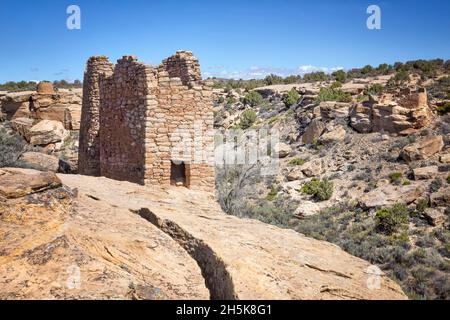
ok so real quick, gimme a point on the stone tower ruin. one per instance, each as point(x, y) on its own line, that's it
point(148, 125)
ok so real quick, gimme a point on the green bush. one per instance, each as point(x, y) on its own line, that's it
point(336, 85)
point(422, 204)
point(329, 94)
point(253, 99)
point(399, 78)
point(321, 190)
point(315, 76)
point(444, 109)
point(396, 177)
point(448, 179)
point(221, 99)
point(297, 162)
point(248, 118)
point(292, 98)
point(12, 146)
point(272, 194)
point(340, 76)
point(367, 69)
point(389, 220)
point(375, 89)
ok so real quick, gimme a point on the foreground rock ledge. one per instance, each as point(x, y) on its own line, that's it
point(238, 258)
point(77, 237)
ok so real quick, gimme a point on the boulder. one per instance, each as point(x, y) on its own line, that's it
point(307, 208)
point(40, 161)
point(330, 110)
point(435, 216)
point(18, 183)
point(445, 158)
point(422, 149)
point(313, 131)
point(388, 195)
point(441, 198)
point(361, 117)
point(295, 174)
point(46, 132)
point(282, 150)
point(425, 173)
point(22, 126)
point(312, 168)
point(334, 135)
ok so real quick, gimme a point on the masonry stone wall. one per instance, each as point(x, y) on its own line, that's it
point(154, 122)
point(89, 146)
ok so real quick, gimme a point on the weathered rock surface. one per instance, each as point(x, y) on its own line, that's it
point(441, 198)
point(264, 262)
point(334, 135)
point(63, 106)
point(54, 247)
point(445, 158)
point(425, 173)
point(313, 131)
point(47, 132)
point(23, 126)
point(422, 149)
point(282, 150)
point(41, 161)
point(393, 113)
point(435, 216)
point(330, 110)
point(388, 195)
point(16, 183)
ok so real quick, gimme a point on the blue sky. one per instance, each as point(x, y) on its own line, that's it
point(233, 38)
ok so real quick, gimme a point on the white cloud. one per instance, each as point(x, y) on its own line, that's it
point(255, 72)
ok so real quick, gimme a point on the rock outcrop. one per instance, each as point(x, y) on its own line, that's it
point(63, 106)
point(80, 241)
point(399, 113)
point(46, 132)
point(423, 149)
point(54, 247)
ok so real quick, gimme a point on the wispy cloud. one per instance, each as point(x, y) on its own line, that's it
point(256, 72)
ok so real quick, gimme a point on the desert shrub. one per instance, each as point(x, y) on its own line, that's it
point(336, 85)
point(340, 76)
point(221, 100)
point(375, 89)
point(321, 190)
point(389, 220)
point(272, 194)
point(399, 78)
point(297, 162)
point(247, 119)
point(329, 94)
point(12, 146)
point(435, 185)
point(421, 274)
point(253, 99)
point(367, 69)
point(422, 204)
point(315, 76)
point(443, 109)
point(292, 98)
point(396, 177)
point(448, 179)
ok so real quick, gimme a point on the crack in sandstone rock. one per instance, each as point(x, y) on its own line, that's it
point(217, 278)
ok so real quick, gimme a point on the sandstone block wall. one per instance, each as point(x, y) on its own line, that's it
point(148, 125)
point(89, 146)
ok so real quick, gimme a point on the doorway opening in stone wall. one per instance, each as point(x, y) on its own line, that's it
point(179, 173)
